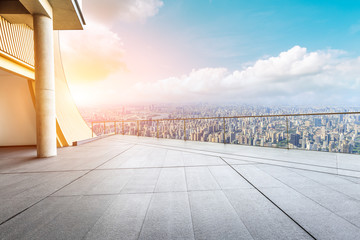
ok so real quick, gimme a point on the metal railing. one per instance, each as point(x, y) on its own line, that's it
point(333, 132)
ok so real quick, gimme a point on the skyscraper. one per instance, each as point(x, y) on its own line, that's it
point(317, 122)
point(294, 139)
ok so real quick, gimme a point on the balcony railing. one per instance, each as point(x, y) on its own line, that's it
point(329, 132)
point(17, 42)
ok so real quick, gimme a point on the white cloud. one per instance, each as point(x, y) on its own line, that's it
point(94, 58)
point(92, 54)
point(97, 52)
point(126, 10)
point(294, 76)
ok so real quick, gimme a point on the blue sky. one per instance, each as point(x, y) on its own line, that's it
point(204, 46)
point(231, 32)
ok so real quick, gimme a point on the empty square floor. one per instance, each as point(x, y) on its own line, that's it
point(136, 188)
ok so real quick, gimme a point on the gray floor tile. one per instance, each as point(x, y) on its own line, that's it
point(258, 177)
point(214, 217)
point(227, 178)
point(34, 219)
point(123, 219)
point(171, 180)
point(174, 159)
point(289, 177)
point(84, 184)
point(238, 161)
point(76, 220)
point(39, 184)
point(12, 206)
point(262, 218)
point(352, 190)
point(36, 187)
point(155, 158)
point(352, 179)
point(113, 183)
point(142, 181)
point(60, 218)
point(168, 217)
point(320, 222)
point(191, 159)
point(322, 178)
point(200, 178)
point(137, 160)
point(338, 203)
point(116, 162)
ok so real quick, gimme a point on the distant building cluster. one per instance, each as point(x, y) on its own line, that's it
point(329, 133)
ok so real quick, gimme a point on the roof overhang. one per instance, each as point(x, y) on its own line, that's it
point(66, 14)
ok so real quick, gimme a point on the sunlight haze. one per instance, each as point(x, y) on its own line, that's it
point(214, 51)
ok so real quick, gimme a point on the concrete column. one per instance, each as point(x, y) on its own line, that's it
point(44, 86)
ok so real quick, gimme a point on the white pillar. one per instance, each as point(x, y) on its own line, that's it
point(44, 86)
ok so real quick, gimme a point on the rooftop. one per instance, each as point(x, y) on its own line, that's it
point(124, 187)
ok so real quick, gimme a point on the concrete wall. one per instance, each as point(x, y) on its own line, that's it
point(17, 112)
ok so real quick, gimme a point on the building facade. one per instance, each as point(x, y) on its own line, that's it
point(36, 107)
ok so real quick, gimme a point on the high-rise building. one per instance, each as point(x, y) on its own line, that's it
point(232, 137)
point(294, 139)
point(317, 122)
point(303, 143)
point(345, 147)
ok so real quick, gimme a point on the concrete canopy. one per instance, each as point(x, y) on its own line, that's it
point(66, 14)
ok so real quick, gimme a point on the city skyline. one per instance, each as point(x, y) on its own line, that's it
point(327, 133)
point(215, 51)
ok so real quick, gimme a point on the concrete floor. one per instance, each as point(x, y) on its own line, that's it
point(123, 187)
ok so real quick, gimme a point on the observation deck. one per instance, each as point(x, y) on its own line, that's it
point(129, 187)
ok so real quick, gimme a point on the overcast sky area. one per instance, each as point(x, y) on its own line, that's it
point(182, 51)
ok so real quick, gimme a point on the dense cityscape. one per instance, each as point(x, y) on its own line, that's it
point(330, 133)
